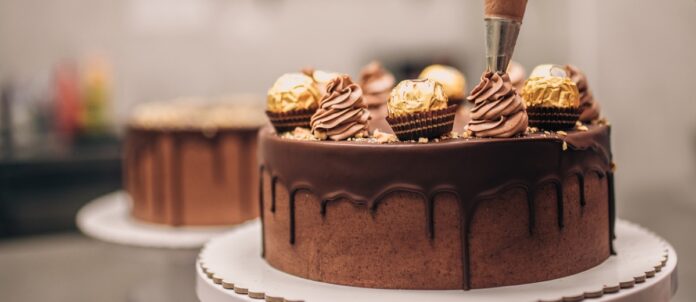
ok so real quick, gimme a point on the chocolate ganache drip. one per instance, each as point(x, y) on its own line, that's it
point(342, 112)
point(498, 110)
point(588, 106)
point(376, 83)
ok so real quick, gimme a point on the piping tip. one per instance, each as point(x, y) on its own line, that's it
point(501, 37)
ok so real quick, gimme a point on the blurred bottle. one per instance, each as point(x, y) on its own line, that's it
point(67, 101)
point(6, 118)
point(96, 97)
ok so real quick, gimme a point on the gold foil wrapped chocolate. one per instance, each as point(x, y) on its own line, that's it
point(452, 80)
point(549, 86)
point(413, 96)
point(321, 78)
point(292, 92)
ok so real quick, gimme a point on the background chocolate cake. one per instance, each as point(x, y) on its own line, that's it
point(192, 164)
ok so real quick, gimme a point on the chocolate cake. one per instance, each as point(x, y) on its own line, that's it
point(192, 165)
point(494, 204)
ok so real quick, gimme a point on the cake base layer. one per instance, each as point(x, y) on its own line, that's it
point(644, 270)
point(192, 177)
point(462, 213)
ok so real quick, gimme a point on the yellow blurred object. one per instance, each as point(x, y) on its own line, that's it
point(413, 96)
point(96, 94)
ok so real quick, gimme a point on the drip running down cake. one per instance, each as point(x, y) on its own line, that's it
point(188, 164)
point(428, 205)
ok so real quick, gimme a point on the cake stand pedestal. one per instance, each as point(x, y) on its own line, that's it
point(230, 268)
point(108, 218)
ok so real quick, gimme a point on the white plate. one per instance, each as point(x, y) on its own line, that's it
point(230, 268)
point(108, 218)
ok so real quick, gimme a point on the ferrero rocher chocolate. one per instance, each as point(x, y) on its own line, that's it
point(452, 80)
point(549, 86)
point(291, 92)
point(418, 109)
point(552, 98)
point(413, 96)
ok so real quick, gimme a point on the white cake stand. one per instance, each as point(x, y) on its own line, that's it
point(230, 268)
point(108, 218)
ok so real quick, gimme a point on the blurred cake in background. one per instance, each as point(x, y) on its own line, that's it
point(193, 164)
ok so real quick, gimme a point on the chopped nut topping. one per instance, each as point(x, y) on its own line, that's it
point(383, 137)
point(299, 134)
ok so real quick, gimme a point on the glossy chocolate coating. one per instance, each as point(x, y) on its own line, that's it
point(557, 196)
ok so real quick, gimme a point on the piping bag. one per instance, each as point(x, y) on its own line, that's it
point(503, 22)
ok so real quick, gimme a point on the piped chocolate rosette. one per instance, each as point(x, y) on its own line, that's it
point(419, 108)
point(292, 101)
point(589, 108)
point(452, 80)
point(552, 98)
point(342, 113)
point(498, 110)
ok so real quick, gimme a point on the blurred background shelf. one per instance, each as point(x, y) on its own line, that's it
point(43, 186)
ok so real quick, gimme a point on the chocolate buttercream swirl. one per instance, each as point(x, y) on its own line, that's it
point(498, 110)
point(376, 83)
point(588, 106)
point(342, 113)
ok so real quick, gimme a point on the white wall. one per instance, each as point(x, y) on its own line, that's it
point(638, 54)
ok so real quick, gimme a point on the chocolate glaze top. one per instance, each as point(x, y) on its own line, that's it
point(365, 171)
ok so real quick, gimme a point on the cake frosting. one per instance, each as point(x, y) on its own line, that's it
point(589, 108)
point(342, 112)
point(498, 110)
